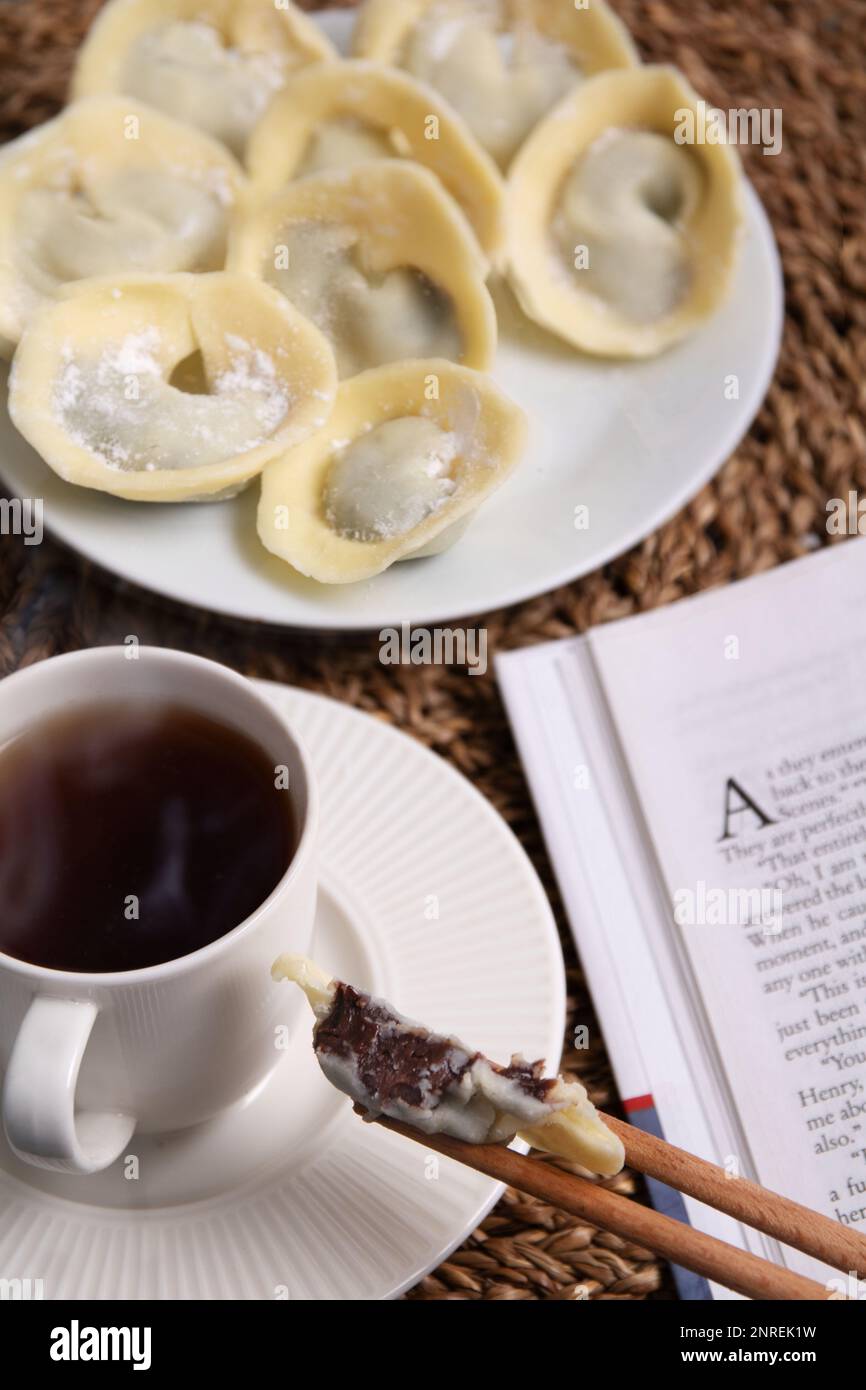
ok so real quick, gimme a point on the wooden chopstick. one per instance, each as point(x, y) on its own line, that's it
point(675, 1240)
point(789, 1222)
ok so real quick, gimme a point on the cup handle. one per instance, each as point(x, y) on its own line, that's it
point(39, 1093)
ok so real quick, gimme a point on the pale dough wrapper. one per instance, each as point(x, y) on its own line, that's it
point(108, 187)
point(168, 388)
point(212, 63)
point(380, 258)
point(337, 114)
point(391, 1066)
point(416, 447)
point(621, 240)
point(501, 63)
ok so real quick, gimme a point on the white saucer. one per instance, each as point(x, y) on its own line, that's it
point(631, 442)
point(289, 1195)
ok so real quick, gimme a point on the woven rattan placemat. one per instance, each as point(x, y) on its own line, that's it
point(766, 506)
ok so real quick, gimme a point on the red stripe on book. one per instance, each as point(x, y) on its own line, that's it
point(638, 1103)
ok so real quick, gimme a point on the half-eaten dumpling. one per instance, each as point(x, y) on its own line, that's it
point(410, 451)
point(338, 114)
point(380, 258)
point(390, 1065)
point(621, 238)
point(212, 63)
point(169, 388)
point(109, 186)
point(501, 63)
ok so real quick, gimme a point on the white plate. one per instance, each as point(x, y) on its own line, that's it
point(289, 1194)
point(632, 443)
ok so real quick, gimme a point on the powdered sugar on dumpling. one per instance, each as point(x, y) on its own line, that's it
point(388, 481)
point(501, 76)
point(212, 64)
point(120, 406)
point(144, 220)
point(109, 187)
point(370, 317)
point(407, 457)
point(186, 70)
point(169, 388)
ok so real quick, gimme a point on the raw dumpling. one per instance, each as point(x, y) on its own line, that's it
point(108, 187)
point(168, 388)
point(212, 63)
point(380, 258)
point(622, 239)
point(501, 63)
point(338, 114)
point(410, 451)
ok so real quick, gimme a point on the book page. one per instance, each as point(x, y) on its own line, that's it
point(742, 718)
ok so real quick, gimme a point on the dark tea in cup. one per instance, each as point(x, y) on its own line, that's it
point(133, 833)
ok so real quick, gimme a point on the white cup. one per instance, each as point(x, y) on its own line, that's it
point(89, 1058)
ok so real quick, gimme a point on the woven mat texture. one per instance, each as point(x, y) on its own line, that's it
point(766, 506)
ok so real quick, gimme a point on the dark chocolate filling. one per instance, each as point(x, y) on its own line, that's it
point(406, 1063)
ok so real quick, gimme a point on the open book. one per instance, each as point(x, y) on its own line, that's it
point(700, 775)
